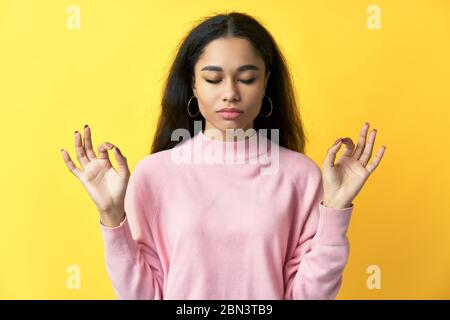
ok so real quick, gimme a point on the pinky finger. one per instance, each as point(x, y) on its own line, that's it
point(374, 164)
point(69, 163)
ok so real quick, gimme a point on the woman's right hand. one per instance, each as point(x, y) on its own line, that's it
point(104, 184)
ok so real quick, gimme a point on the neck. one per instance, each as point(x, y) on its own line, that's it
point(229, 151)
point(229, 135)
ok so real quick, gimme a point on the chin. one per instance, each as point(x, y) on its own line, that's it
point(229, 124)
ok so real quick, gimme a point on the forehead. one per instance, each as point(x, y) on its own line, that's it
point(229, 53)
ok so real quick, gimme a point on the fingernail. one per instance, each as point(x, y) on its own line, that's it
point(367, 123)
point(62, 150)
point(76, 131)
point(109, 145)
point(85, 126)
point(337, 141)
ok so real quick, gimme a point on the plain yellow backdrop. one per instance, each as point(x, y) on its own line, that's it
point(109, 74)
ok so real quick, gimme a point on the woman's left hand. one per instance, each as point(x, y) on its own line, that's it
point(343, 180)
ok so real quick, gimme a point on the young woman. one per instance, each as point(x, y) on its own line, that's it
point(186, 227)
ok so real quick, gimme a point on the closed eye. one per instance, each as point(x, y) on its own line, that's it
point(243, 81)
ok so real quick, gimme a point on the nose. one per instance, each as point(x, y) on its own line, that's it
point(231, 93)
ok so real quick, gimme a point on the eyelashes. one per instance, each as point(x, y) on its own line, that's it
point(243, 81)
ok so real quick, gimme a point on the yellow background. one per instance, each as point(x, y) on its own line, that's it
point(109, 74)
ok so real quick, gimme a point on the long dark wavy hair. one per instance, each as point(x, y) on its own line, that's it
point(178, 86)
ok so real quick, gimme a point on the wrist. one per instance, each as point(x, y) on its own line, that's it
point(112, 218)
point(336, 204)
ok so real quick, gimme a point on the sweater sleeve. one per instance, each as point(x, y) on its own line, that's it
point(131, 258)
point(314, 270)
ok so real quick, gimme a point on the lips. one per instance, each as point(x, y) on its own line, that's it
point(230, 110)
point(229, 113)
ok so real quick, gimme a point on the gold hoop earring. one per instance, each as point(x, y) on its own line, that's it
point(192, 116)
point(271, 108)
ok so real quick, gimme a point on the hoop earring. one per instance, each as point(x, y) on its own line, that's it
point(271, 108)
point(192, 116)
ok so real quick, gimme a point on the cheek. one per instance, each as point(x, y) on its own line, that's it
point(206, 101)
point(207, 98)
point(254, 100)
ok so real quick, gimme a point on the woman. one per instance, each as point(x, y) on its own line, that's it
point(185, 227)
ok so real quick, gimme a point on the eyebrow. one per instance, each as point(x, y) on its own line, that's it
point(245, 67)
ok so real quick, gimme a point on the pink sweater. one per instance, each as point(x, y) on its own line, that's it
point(227, 230)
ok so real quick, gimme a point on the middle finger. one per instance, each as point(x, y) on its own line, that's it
point(361, 141)
point(88, 143)
point(368, 149)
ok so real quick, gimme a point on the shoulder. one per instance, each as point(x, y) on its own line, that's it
point(151, 160)
point(151, 166)
point(301, 168)
point(299, 162)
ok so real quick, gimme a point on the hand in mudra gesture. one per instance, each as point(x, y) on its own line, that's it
point(105, 185)
point(343, 180)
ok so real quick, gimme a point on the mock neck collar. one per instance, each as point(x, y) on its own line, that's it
point(247, 150)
